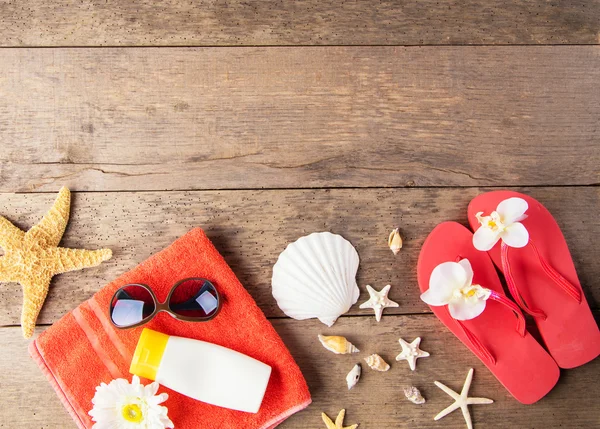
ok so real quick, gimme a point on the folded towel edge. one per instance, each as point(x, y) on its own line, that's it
point(41, 363)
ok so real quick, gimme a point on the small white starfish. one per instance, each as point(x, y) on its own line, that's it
point(378, 301)
point(461, 401)
point(411, 352)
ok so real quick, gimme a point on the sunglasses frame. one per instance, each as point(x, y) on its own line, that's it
point(164, 306)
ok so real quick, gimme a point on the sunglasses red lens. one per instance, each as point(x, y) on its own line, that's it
point(195, 298)
point(131, 305)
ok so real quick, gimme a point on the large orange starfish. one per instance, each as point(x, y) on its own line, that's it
point(32, 258)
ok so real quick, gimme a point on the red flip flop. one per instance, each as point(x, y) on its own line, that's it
point(534, 257)
point(460, 282)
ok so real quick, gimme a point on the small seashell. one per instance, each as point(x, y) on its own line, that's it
point(353, 376)
point(377, 363)
point(395, 241)
point(413, 395)
point(338, 345)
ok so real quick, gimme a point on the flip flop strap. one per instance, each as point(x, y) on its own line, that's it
point(565, 285)
point(556, 277)
point(481, 350)
point(502, 299)
point(512, 286)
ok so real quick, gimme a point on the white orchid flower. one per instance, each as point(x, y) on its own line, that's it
point(504, 223)
point(451, 284)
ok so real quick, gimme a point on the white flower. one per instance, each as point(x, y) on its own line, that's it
point(451, 284)
point(504, 223)
point(120, 405)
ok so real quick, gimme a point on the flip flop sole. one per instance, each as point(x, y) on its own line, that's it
point(570, 331)
point(526, 370)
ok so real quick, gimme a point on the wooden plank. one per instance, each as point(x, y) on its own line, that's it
point(376, 402)
point(223, 118)
point(251, 228)
point(307, 22)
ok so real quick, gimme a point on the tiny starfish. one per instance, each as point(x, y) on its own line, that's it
point(411, 352)
point(461, 400)
point(32, 258)
point(339, 421)
point(378, 301)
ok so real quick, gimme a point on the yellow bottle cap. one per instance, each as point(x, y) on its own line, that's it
point(148, 354)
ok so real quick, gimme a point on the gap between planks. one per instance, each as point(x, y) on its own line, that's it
point(316, 188)
point(458, 45)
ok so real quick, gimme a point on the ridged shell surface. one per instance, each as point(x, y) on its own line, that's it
point(315, 276)
point(338, 345)
point(377, 363)
point(413, 395)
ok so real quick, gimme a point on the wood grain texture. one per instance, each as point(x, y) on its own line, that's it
point(231, 118)
point(306, 22)
point(28, 400)
point(251, 229)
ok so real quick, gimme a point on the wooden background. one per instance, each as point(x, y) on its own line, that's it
point(265, 121)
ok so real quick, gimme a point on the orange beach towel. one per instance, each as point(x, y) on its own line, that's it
point(83, 349)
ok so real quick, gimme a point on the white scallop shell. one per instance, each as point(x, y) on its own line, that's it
point(315, 276)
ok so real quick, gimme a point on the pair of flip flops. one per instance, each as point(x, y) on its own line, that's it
point(458, 280)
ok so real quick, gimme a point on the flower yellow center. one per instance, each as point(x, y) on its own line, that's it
point(493, 222)
point(471, 293)
point(132, 413)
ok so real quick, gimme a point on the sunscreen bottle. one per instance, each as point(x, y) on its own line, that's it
point(203, 371)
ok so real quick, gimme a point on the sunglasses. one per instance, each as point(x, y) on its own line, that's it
point(191, 300)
